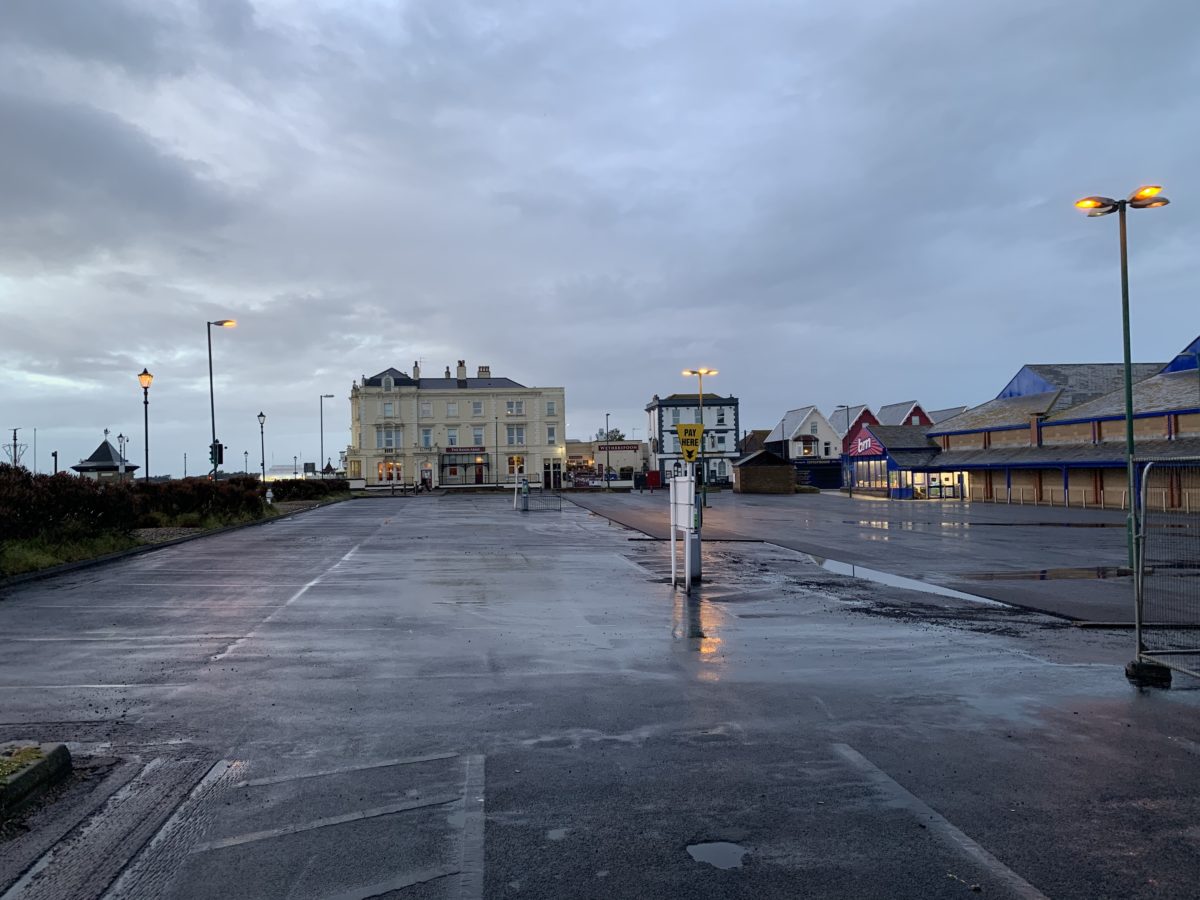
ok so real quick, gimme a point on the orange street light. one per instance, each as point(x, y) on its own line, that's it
point(226, 323)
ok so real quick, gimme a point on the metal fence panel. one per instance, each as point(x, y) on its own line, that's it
point(542, 500)
point(1167, 581)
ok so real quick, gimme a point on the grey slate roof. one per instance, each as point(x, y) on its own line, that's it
point(400, 378)
point(841, 421)
point(761, 458)
point(1162, 393)
point(902, 437)
point(468, 384)
point(105, 458)
point(788, 424)
point(998, 413)
point(895, 413)
point(940, 415)
point(1081, 382)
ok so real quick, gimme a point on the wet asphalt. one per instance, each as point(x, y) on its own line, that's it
point(441, 697)
point(1065, 561)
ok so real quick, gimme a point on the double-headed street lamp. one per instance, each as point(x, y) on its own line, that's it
point(320, 460)
point(212, 408)
point(1146, 197)
point(262, 444)
point(145, 379)
point(700, 373)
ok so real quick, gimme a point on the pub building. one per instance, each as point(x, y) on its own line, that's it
point(464, 466)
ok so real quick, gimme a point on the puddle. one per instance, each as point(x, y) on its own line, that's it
point(556, 834)
point(721, 854)
point(1102, 572)
point(911, 584)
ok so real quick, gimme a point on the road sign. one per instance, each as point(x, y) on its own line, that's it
point(689, 440)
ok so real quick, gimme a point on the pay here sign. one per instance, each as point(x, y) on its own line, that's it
point(689, 440)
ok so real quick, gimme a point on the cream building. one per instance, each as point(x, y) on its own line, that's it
point(455, 431)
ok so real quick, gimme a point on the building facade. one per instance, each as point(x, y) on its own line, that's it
point(455, 431)
point(588, 460)
point(721, 431)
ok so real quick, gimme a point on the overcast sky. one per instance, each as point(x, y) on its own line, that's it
point(829, 202)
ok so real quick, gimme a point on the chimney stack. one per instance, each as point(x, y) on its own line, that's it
point(447, 371)
point(462, 370)
point(485, 372)
point(416, 370)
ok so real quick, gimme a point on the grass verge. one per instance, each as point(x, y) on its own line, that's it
point(19, 557)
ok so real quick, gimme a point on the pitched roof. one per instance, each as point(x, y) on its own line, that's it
point(761, 458)
point(902, 437)
point(1105, 453)
point(788, 424)
point(895, 413)
point(469, 384)
point(685, 400)
point(998, 413)
point(104, 458)
point(845, 418)
point(1077, 382)
point(400, 378)
point(1172, 391)
point(754, 440)
point(940, 415)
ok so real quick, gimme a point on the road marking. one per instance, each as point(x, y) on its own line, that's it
point(824, 706)
point(147, 637)
point(470, 880)
point(421, 876)
point(285, 830)
point(97, 687)
point(279, 779)
point(292, 599)
point(938, 824)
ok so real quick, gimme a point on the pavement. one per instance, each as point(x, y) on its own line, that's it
point(440, 697)
point(1063, 561)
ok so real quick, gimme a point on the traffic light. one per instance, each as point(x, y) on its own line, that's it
point(216, 453)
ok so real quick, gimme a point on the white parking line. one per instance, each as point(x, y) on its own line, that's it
point(938, 824)
point(280, 779)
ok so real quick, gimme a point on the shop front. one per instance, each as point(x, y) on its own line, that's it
point(900, 462)
point(461, 466)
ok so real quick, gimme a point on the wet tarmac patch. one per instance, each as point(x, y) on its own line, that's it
point(911, 584)
point(719, 854)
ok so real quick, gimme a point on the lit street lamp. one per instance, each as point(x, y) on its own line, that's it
point(212, 408)
point(1146, 197)
point(144, 379)
point(607, 454)
point(700, 373)
point(321, 458)
point(262, 444)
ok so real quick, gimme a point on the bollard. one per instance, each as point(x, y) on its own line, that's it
point(270, 496)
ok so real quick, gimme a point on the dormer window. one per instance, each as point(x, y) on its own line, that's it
point(388, 382)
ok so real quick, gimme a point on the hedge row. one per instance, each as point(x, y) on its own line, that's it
point(64, 507)
point(314, 489)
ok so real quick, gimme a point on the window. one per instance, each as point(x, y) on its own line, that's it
point(451, 409)
point(812, 429)
point(388, 382)
point(916, 420)
point(477, 407)
point(516, 465)
point(675, 416)
point(551, 409)
point(720, 440)
point(514, 407)
point(721, 416)
point(828, 449)
point(551, 434)
point(389, 409)
point(388, 438)
point(516, 435)
point(426, 437)
point(477, 436)
point(451, 437)
point(426, 409)
point(721, 469)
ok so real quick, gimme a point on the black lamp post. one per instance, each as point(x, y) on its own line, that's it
point(144, 379)
point(320, 459)
point(262, 445)
point(212, 408)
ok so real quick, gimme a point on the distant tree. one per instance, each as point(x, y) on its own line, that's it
point(614, 434)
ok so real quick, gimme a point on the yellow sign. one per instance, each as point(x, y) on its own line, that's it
point(689, 440)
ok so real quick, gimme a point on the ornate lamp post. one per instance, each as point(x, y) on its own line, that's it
point(145, 379)
point(262, 445)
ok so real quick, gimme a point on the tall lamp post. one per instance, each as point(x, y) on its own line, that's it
point(700, 373)
point(1146, 197)
point(145, 379)
point(212, 407)
point(321, 459)
point(262, 445)
point(847, 470)
point(607, 454)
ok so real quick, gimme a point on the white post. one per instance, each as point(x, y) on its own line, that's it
point(674, 567)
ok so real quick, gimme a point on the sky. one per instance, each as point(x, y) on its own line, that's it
point(828, 202)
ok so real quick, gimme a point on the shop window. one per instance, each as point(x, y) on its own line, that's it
point(477, 407)
point(516, 465)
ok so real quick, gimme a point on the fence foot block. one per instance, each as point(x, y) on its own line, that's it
point(1148, 674)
